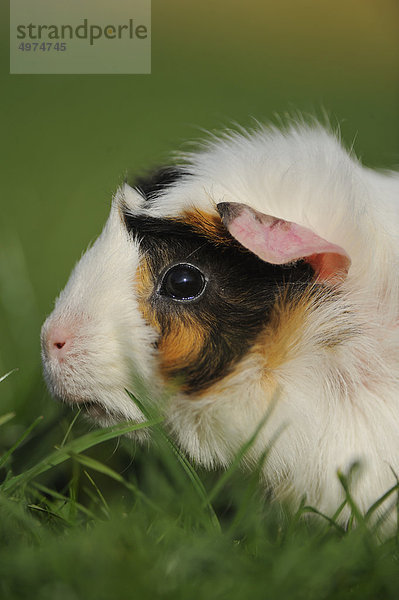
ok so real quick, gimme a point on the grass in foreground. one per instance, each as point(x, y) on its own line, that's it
point(91, 520)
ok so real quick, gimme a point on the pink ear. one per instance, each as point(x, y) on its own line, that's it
point(280, 242)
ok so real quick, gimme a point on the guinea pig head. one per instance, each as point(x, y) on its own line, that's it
point(209, 301)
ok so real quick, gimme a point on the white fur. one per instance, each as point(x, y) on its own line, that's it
point(335, 405)
point(111, 337)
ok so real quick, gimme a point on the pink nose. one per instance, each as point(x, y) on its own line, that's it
point(59, 340)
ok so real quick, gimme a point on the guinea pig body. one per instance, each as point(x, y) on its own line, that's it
point(263, 270)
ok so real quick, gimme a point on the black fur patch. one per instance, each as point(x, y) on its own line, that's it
point(241, 290)
point(156, 181)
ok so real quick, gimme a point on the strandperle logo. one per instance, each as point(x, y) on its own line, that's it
point(80, 36)
point(84, 31)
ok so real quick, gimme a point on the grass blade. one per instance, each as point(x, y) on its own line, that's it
point(6, 455)
point(381, 500)
point(68, 431)
point(330, 520)
point(92, 463)
point(76, 446)
point(243, 451)
point(184, 462)
point(345, 482)
point(7, 417)
point(100, 495)
point(58, 496)
point(3, 377)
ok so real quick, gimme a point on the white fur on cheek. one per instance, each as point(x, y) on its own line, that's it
point(110, 338)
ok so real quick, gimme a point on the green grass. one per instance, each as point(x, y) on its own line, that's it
point(99, 517)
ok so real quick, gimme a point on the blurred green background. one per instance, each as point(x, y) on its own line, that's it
point(67, 141)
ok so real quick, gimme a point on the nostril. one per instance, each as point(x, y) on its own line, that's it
point(57, 340)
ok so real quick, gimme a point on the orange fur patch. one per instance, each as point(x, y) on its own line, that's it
point(209, 226)
point(144, 286)
point(182, 346)
point(280, 340)
point(282, 337)
point(183, 342)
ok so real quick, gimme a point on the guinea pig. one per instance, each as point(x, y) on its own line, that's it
point(260, 271)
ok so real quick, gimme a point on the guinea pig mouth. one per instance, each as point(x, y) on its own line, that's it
point(97, 411)
point(93, 408)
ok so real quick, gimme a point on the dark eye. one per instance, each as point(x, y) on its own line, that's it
point(183, 282)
